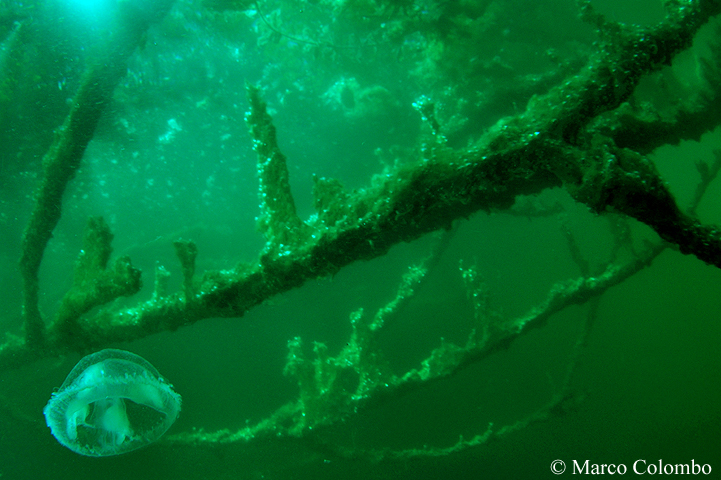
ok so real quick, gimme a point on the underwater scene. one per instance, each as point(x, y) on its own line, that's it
point(359, 239)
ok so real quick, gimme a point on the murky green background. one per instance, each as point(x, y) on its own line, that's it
point(172, 158)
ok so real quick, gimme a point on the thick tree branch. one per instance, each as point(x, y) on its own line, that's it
point(63, 158)
point(549, 145)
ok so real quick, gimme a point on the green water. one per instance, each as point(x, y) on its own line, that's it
point(172, 158)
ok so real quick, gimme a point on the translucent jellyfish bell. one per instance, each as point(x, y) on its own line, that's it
point(112, 402)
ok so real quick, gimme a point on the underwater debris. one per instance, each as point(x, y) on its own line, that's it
point(553, 143)
point(93, 283)
point(521, 155)
point(278, 220)
point(187, 251)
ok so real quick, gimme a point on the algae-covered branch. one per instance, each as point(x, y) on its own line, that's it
point(238, 151)
point(562, 138)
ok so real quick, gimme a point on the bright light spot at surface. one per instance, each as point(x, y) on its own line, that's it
point(96, 11)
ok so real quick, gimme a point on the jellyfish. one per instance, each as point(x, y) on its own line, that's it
point(112, 402)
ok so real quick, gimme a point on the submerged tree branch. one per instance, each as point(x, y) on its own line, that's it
point(63, 158)
point(549, 145)
point(357, 378)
